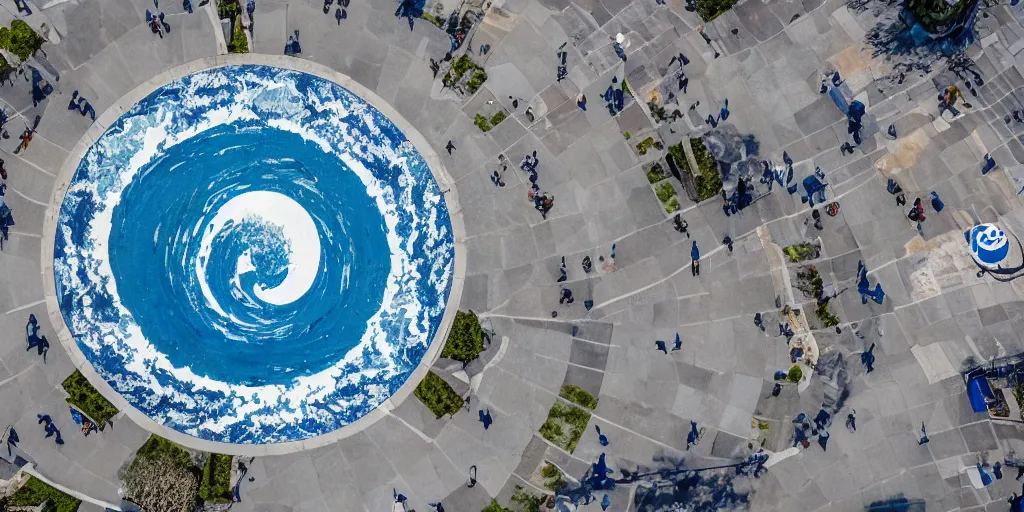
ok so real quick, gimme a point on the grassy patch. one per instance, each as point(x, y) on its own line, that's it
point(20, 39)
point(809, 282)
point(85, 398)
point(498, 117)
point(672, 205)
point(466, 339)
point(432, 19)
point(625, 87)
point(664, 191)
point(708, 182)
point(158, 448)
point(656, 173)
point(228, 9)
point(464, 67)
point(711, 9)
point(552, 477)
point(645, 145)
point(802, 251)
point(215, 486)
point(795, 374)
point(627, 135)
point(565, 423)
point(525, 501)
point(667, 195)
point(483, 123)
point(438, 396)
point(827, 317)
point(35, 492)
point(578, 396)
point(239, 44)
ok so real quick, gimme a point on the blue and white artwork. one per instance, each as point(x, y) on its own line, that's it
point(253, 255)
point(988, 244)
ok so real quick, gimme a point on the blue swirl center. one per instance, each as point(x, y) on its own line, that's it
point(247, 235)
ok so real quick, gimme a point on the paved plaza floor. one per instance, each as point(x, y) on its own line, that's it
point(937, 318)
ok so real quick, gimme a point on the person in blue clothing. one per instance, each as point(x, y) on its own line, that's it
point(695, 259)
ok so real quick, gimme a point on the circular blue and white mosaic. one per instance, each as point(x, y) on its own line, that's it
point(253, 255)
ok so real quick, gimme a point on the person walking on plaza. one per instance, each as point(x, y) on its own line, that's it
point(694, 259)
point(924, 436)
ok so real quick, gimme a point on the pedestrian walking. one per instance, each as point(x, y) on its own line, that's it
point(450, 147)
point(485, 418)
point(681, 225)
point(678, 344)
point(891, 132)
point(581, 101)
point(776, 390)
point(867, 358)
point(916, 213)
point(851, 421)
point(990, 164)
point(694, 259)
point(937, 203)
point(601, 438)
point(846, 147)
point(588, 264)
point(561, 269)
point(924, 436)
point(693, 437)
point(759, 321)
point(566, 296)
point(727, 241)
point(661, 346)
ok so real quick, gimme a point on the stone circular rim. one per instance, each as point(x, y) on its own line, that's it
point(108, 117)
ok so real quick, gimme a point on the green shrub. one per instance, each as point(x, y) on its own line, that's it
point(20, 39)
point(494, 507)
point(482, 123)
point(157, 448)
point(498, 117)
point(680, 157)
point(431, 18)
point(627, 135)
point(479, 77)
point(656, 173)
point(216, 484)
point(664, 191)
point(578, 396)
point(463, 64)
point(802, 251)
point(227, 9)
point(465, 340)
point(438, 396)
point(827, 317)
point(672, 205)
point(709, 181)
point(526, 501)
point(85, 398)
point(239, 44)
point(795, 374)
point(552, 477)
point(646, 144)
point(810, 283)
point(711, 9)
point(563, 417)
point(35, 492)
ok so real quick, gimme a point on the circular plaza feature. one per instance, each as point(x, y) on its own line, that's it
point(252, 254)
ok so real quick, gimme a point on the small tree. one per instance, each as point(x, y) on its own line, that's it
point(795, 374)
point(466, 339)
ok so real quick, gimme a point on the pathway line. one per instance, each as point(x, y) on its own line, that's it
point(26, 306)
